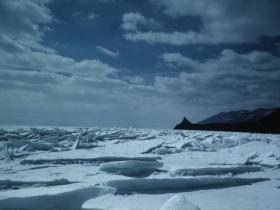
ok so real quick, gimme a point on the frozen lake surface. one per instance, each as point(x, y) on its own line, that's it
point(137, 169)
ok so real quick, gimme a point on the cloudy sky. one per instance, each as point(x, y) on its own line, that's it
point(136, 63)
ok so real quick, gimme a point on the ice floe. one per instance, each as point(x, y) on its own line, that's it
point(215, 170)
point(171, 185)
point(133, 168)
point(94, 161)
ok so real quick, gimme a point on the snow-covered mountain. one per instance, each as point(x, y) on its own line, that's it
point(238, 116)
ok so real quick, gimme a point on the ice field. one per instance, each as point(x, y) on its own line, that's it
point(137, 169)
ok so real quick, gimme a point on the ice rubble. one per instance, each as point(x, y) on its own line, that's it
point(109, 155)
point(132, 168)
point(33, 146)
point(78, 144)
point(151, 149)
point(4, 152)
point(162, 149)
point(179, 202)
point(254, 152)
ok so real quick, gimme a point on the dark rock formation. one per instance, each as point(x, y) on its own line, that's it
point(269, 123)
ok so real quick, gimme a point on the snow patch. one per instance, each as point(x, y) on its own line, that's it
point(63, 201)
point(179, 202)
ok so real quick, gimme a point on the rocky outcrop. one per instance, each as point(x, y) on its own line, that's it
point(267, 124)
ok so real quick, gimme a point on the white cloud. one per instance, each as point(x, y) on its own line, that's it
point(177, 59)
point(92, 16)
point(173, 38)
point(131, 21)
point(135, 79)
point(114, 54)
point(223, 22)
point(41, 87)
point(230, 81)
point(22, 19)
point(25, 30)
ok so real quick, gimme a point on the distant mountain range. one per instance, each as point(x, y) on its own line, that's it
point(258, 121)
point(238, 116)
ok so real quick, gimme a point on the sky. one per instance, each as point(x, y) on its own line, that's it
point(136, 63)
